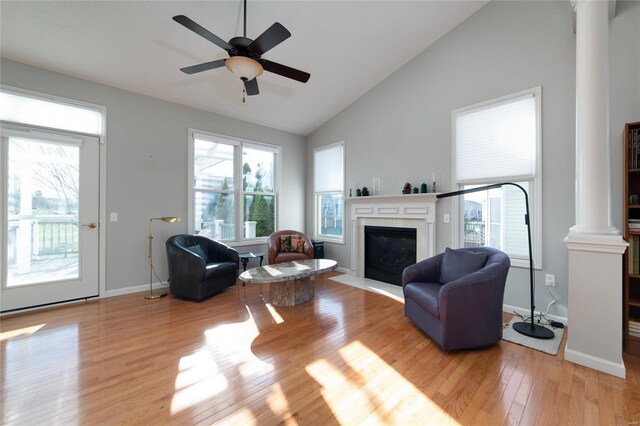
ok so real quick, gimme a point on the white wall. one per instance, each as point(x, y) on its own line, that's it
point(401, 129)
point(147, 165)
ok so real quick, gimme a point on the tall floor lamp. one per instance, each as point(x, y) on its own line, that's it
point(157, 295)
point(528, 329)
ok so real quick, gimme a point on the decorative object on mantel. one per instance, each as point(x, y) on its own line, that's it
point(423, 188)
point(376, 186)
point(358, 192)
point(407, 188)
point(416, 190)
point(350, 192)
point(365, 191)
point(433, 182)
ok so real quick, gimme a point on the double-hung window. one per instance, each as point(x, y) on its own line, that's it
point(233, 194)
point(494, 142)
point(328, 184)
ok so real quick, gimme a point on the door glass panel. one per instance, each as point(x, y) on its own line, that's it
point(42, 212)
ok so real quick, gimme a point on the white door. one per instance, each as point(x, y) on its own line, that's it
point(49, 216)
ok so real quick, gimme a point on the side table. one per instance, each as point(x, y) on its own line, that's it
point(244, 258)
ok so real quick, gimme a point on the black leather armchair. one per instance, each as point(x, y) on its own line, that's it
point(465, 312)
point(200, 267)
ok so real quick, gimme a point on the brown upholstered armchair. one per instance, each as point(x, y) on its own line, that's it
point(277, 253)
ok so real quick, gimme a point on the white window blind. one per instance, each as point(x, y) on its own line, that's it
point(49, 113)
point(328, 168)
point(496, 141)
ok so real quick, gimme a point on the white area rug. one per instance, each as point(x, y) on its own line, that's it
point(549, 346)
point(389, 290)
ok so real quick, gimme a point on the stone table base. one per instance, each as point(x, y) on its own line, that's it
point(291, 293)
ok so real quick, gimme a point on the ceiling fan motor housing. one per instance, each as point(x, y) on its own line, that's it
point(241, 48)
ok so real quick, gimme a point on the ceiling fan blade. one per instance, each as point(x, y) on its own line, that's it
point(203, 67)
point(201, 31)
point(273, 36)
point(285, 71)
point(251, 86)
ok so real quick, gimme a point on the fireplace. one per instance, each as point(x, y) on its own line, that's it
point(387, 251)
point(414, 211)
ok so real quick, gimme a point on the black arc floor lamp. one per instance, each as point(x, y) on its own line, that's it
point(528, 329)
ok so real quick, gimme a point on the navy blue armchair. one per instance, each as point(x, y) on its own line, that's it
point(456, 297)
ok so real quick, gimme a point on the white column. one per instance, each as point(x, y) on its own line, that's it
point(595, 246)
point(593, 175)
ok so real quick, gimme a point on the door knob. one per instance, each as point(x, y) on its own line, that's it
point(89, 225)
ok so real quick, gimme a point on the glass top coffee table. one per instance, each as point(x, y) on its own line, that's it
point(291, 283)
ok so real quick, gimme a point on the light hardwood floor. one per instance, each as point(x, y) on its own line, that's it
point(347, 357)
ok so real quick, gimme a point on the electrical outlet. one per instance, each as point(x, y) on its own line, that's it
point(114, 217)
point(550, 280)
point(446, 218)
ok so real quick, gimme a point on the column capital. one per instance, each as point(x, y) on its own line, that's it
point(612, 6)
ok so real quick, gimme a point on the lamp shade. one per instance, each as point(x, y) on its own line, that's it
point(243, 67)
point(168, 219)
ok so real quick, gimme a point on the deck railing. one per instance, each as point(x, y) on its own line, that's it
point(51, 236)
point(473, 233)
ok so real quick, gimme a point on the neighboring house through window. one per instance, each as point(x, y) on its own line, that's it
point(500, 141)
point(233, 194)
point(328, 184)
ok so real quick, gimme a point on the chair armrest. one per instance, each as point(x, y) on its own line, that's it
point(427, 271)
point(474, 294)
point(272, 247)
point(185, 264)
point(308, 247)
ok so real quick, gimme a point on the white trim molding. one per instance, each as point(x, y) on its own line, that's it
point(416, 211)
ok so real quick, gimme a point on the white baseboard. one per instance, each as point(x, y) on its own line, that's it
point(133, 289)
point(527, 311)
point(614, 368)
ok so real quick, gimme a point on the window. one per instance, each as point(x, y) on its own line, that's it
point(233, 182)
point(55, 113)
point(328, 183)
point(499, 141)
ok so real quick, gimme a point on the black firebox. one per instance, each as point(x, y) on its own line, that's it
point(387, 251)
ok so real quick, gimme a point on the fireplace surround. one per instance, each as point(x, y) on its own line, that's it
point(415, 211)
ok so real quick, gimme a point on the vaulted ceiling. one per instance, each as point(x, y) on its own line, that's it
point(347, 46)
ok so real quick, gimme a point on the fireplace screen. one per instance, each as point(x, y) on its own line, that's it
point(387, 251)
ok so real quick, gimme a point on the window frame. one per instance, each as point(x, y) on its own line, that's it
point(535, 182)
point(317, 194)
point(237, 190)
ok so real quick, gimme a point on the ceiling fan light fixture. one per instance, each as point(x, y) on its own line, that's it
point(243, 67)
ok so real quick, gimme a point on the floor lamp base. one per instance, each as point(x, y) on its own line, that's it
point(152, 295)
point(533, 330)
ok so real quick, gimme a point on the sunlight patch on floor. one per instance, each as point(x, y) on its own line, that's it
point(243, 417)
point(199, 377)
point(389, 290)
point(279, 405)
point(373, 392)
point(25, 331)
point(274, 314)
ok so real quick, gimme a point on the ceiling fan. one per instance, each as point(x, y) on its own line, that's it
point(245, 55)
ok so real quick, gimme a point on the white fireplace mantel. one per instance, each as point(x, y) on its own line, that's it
point(416, 211)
